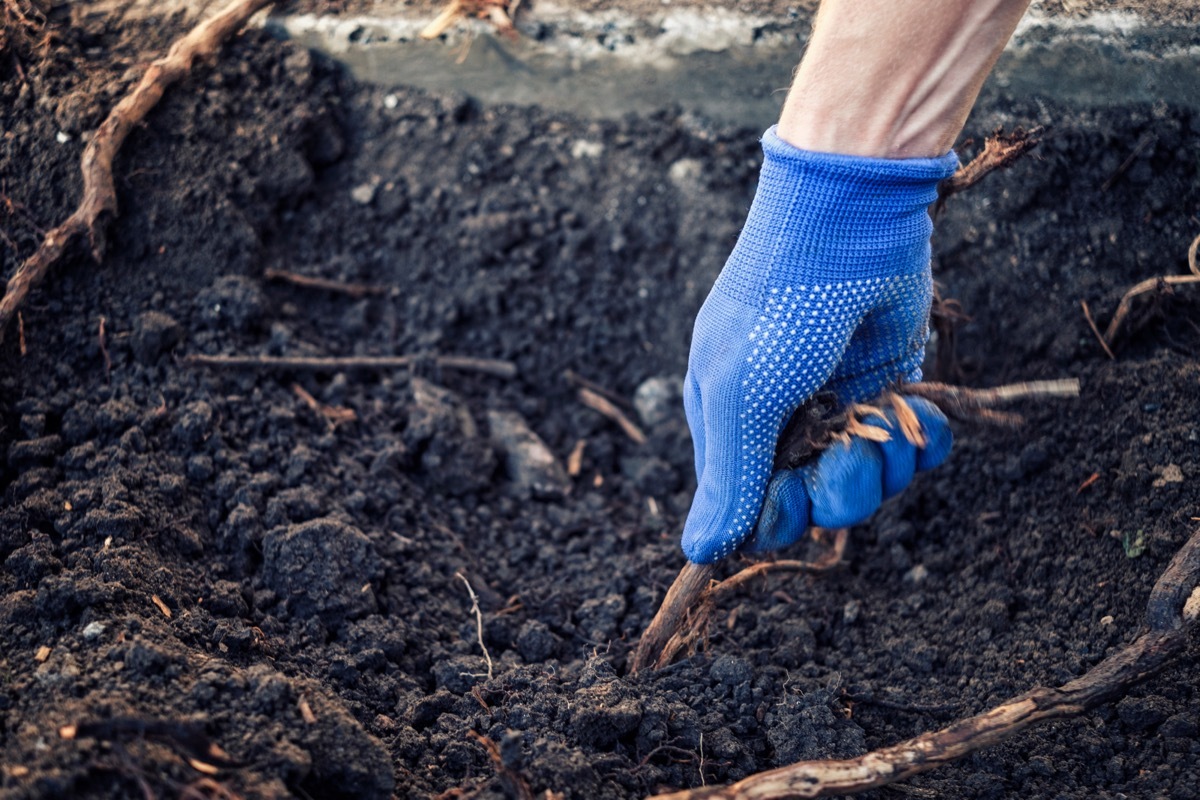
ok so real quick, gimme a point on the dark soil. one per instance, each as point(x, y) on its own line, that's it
point(318, 630)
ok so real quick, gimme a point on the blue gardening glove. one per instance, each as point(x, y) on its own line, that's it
point(828, 287)
point(849, 480)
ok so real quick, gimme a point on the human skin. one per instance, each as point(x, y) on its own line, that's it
point(894, 79)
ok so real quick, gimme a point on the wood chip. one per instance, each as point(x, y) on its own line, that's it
point(575, 459)
point(42, 653)
point(306, 712)
point(599, 403)
point(166, 611)
point(200, 766)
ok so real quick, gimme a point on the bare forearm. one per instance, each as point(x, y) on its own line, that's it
point(894, 79)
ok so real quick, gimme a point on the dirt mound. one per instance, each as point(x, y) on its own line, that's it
point(208, 547)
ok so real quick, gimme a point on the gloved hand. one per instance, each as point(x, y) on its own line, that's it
point(828, 287)
point(849, 480)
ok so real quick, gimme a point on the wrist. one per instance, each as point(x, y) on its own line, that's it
point(894, 80)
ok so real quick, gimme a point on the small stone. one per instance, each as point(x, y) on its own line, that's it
point(391, 101)
point(685, 171)
point(94, 630)
point(529, 463)
point(1107, 619)
point(581, 148)
point(1142, 713)
point(658, 399)
point(851, 611)
point(1171, 473)
point(363, 194)
point(917, 575)
point(454, 458)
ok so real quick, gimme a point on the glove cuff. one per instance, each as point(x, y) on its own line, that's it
point(834, 218)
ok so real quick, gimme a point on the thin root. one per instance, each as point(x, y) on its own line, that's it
point(1171, 613)
point(1161, 285)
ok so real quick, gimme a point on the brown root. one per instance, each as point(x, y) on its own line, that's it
point(1171, 613)
point(686, 612)
point(99, 203)
point(946, 316)
point(683, 616)
point(1161, 286)
point(501, 369)
point(1000, 151)
point(21, 28)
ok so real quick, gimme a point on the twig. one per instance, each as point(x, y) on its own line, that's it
point(333, 415)
point(502, 369)
point(497, 11)
point(1171, 613)
point(478, 621)
point(672, 615)
point(828, 560)
point(578, 380)
point(961, 402)
point(99, 202)
point(356, 290)
point(1087, 314)
point(102, 338)
point(1000, 151)
point(306, 712)
point(601, 404)
point(1148, 138)
point(1161, 284)
point(946, 315)
point(683, 617)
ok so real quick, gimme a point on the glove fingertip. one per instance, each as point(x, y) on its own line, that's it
point(938, 448)
point(719, 520)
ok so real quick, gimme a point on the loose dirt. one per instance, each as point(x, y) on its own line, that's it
point(204, 547)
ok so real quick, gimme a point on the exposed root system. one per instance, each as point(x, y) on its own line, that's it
point(1000, 151)
point(1160, 286)
point(99, 203)
point(683, 616)
point(1171, 613)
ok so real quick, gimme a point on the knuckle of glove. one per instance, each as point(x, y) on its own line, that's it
point(845, 486)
